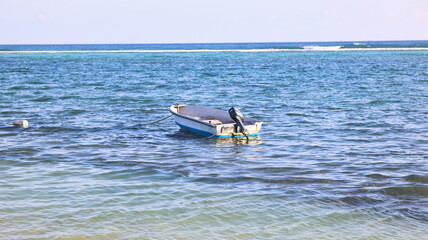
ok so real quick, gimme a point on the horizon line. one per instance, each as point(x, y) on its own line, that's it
point(177, 43)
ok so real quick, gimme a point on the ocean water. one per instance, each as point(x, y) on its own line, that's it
point(344, 157)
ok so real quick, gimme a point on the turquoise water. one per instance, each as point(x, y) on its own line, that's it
point(345, 156)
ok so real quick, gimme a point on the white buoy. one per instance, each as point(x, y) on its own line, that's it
point(21, 123)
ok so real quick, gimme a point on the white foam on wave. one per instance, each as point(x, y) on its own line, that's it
point(148, 51)
point(322, 48)
point(305, 49)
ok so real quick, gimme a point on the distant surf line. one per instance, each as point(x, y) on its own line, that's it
point(261, 50)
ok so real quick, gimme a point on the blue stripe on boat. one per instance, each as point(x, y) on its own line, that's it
point(194, 130)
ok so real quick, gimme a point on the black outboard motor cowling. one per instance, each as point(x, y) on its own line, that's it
point(237, 116)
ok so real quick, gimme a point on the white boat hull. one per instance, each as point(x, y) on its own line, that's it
point(209, 122)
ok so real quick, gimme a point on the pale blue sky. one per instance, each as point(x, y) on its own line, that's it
point(201, 21)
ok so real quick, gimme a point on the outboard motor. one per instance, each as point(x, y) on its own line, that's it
point(237, 116)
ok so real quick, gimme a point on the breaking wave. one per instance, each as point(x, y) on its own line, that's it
point(304, 49)
point(322, 48)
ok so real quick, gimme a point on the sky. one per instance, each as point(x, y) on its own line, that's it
point(210, 21)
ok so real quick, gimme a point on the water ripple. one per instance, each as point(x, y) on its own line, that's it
point(346, 146)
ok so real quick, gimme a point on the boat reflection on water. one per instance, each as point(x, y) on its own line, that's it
point(184, 135)
point(238, 141)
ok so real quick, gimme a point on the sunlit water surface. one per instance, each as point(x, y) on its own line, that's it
point(345, 156)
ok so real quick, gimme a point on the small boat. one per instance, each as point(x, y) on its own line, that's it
point(210, 122)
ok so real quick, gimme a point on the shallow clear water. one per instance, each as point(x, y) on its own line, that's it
point(345, 156)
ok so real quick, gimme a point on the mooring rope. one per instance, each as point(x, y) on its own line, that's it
point(157, 120)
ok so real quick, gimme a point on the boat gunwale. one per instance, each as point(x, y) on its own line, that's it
point(251, 121)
